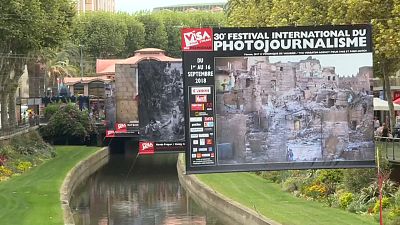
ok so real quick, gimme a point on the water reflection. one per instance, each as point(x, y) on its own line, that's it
point(144, 194)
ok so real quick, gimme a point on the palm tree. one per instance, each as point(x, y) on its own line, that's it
point(60, 63)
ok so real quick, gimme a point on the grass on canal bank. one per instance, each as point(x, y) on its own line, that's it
point(33, 198)
point(269, 200)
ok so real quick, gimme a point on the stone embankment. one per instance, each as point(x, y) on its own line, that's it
point(76, 175)
point(229, 211)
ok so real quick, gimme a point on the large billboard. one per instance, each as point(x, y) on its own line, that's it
point(278, 98)
point(161, 107)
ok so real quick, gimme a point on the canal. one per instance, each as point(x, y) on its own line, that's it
point(142, 191)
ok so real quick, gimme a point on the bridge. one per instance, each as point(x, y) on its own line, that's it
point(389, 149)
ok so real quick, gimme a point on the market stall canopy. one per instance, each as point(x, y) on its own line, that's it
point(382, 105)
point(397, 101)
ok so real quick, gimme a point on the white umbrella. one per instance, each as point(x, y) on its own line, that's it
point(382, 105)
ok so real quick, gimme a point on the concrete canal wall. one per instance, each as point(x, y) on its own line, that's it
point(78, 174)
point(229, 211)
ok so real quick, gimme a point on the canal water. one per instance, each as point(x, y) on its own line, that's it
point(142, 191)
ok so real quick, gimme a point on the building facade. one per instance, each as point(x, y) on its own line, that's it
point(96, 5)
point(211, 7)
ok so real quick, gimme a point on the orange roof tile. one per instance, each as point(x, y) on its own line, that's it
point(108, 66)
point(85, 80)
point(102, 64)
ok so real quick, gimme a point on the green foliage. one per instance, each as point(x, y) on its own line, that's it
point(24, 166)
point(355, 179)
point(6, 150)
point(293, 184)
point(357, 206)
point(385, 204)
point(49, 24)
point(102, 34)
point(329, 176)
point(155, 32)
point(23, 152)
point(51, 109)
point(345, 199)
point(274, 176)
point(371, 193)
point(70, 123)
point(135, 37)
point(31, 144)
point(110, 35)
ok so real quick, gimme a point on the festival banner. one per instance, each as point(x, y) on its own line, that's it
point(278, 98)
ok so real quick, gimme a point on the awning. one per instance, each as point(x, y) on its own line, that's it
point(382, 105)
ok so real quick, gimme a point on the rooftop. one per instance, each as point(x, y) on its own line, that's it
point(107, 66)
point(85, 80)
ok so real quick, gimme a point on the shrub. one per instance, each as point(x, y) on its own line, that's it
point(396, 221)
point(24, 166)
point(394, 213)
point(371, 193)
point(329, 176)
point(5, 171)
point(293, 184)
point(70, 124)
point(274, 176)
point(330, 179)
point(345, 199)
point(358, 207)
point(51, 109)
point(7, 151)
point(316, 191)
point(385, 204)
point(356, 179)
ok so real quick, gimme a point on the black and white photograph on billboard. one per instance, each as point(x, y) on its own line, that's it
point(161, 103)
point(294, 108)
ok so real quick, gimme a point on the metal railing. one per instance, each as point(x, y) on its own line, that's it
point(389, 147)
point(16, 129)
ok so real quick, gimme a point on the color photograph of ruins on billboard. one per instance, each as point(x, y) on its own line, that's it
point(294, 108)
point(278, 98)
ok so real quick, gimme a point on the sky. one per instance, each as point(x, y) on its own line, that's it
point(138, 5)
point(345, 64)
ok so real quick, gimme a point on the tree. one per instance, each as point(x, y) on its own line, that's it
point(60, 62)
point(135, 37)
point(155, 33)
point(49, 25)
point(102, 34)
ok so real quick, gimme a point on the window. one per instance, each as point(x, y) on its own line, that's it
point(281, 68)
point(273, 85)
point(78, 89)
point(353, 125)
point(329, 77)
point(248, 82)
point(297, 125)
point(333, 78)
point(96, 88)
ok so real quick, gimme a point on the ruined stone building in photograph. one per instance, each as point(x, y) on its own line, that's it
point(292, 111)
